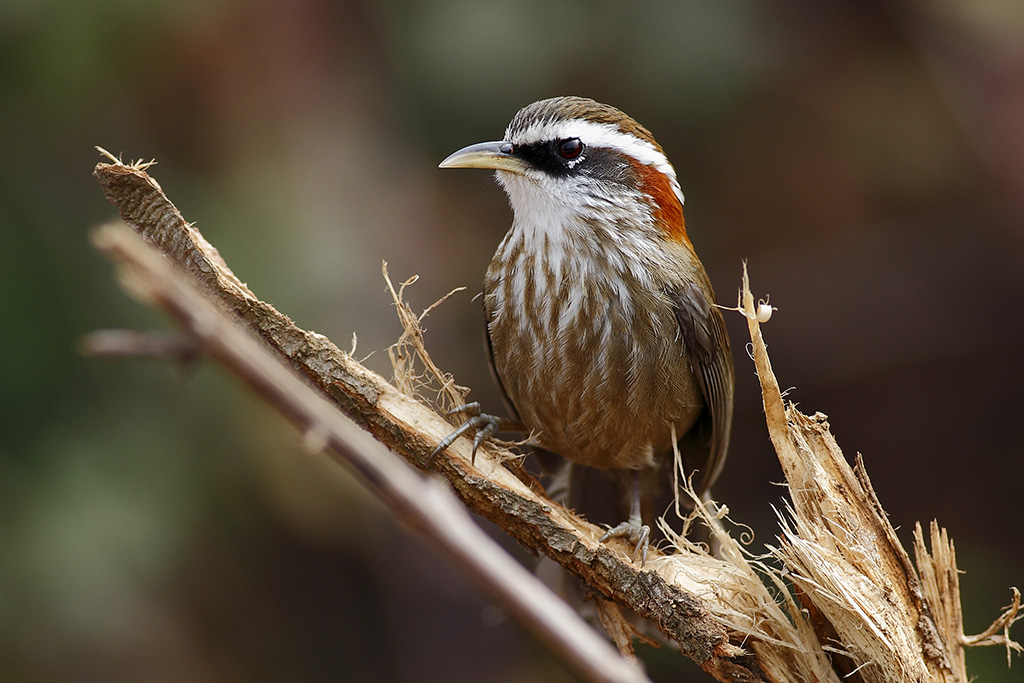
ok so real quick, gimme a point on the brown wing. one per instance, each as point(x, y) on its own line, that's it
point(707, 346)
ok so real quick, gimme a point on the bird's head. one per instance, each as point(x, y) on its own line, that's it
point(571, 158)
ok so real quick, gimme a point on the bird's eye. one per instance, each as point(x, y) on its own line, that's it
point(570, 149)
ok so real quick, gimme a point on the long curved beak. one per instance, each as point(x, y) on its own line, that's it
point(495, 155)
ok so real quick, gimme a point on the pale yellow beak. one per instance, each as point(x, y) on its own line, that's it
point(493, 155)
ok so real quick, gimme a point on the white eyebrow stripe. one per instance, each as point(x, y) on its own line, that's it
point(600, 135)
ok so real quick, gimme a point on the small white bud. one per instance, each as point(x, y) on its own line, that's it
point(764, 312)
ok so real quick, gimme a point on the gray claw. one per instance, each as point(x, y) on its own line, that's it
point(473, 408)
point(636, 533)
point(485, 425)
point(485, 432)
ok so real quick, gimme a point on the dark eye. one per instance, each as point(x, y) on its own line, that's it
point(570, 149)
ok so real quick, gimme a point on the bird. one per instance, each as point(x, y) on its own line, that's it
point(601, 325)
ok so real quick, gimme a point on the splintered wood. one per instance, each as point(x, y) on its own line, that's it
point(882, 619)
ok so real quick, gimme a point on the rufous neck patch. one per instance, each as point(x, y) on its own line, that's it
point(668, 210)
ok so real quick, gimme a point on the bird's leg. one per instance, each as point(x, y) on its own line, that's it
point(485, 425)
point(634, 530)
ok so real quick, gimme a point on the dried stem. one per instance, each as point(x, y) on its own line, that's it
point(135, 344)
point(402, 361)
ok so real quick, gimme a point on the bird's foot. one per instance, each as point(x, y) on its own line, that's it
point(637, 533)
point(485, 425)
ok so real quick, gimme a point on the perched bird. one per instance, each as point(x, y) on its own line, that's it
point(600, 319)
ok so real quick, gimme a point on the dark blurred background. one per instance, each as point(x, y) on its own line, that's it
point(160, 524)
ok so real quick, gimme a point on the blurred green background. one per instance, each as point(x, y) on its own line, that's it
point(158, 523)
